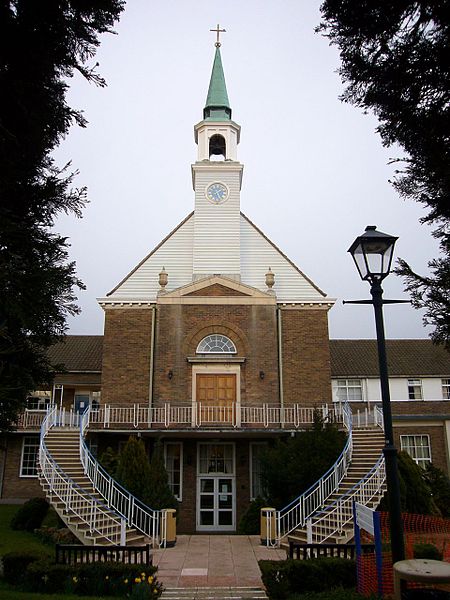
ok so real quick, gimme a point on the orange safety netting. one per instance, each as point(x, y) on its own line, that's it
point(417, 529)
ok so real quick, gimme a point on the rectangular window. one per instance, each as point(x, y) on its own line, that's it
point(255, 469)
point(30, 449)
point(414, 389)
point(216, 458)
point(418, 447)
point(38, 400)
point(349, 390)
point(446, 389)
point(174, 467)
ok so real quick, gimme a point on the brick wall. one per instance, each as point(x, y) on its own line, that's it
point(439, 454)
point(180, 328)
point(306, 357)
point(14, 486)
point(126, 356)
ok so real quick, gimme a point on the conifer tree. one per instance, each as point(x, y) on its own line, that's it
point(42, 44)
point(159, 492)
point(395, 62)
point(133, 470)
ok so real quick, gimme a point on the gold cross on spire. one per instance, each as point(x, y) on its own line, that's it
point(218, 31)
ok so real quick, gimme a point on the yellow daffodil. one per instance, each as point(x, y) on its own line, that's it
point(137, 580)
point(143, 575)
point(150, 579)
point(125, 580)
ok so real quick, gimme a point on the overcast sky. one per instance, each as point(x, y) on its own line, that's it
point(315, 172)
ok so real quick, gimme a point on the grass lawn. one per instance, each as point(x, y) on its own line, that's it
point(7, 592)
point(18, 541)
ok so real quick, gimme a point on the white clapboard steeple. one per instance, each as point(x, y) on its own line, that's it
point(217, 177)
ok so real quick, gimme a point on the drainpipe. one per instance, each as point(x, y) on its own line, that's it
point(152, 359)
point(280, 362)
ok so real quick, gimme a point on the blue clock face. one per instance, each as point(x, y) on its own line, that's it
point(217, 192)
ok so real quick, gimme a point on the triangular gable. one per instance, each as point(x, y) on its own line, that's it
point(257, 254)
point(216, 286)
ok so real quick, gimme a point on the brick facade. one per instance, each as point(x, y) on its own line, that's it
point(15, 487)
point(179, 329)
point(439, 451)
point(306, 357)
point(126, 356)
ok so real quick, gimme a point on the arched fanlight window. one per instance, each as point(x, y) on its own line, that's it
point(216, 344)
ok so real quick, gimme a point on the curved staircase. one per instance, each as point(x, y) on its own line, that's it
point(363, 482)
point(74, 497)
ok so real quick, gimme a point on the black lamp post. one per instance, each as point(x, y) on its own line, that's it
point(372, 252)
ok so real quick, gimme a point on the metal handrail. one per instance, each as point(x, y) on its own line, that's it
point(90, 511)
point(339, 513)
point(136, 513)
point(296, 513)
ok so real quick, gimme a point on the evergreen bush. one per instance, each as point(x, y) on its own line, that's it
point(429, 551)
point(110, 461)
point(439, 483)
point(291, 466)
point(96, 579)
point(249, 523)
point(159, 492)
point(15, 565)
point(287, 577)
point(30, 515)
point(133, 469)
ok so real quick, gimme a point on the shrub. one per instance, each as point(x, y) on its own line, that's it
point(429, 551)
point(52, 535)
point(96, 579)
point(283, 578)
point(159, 492)
point(109, 461)
point(439, 483)
point(30, 515)
point(291, 466)
point(53, 520)
point(15, 564)
point(249, 523)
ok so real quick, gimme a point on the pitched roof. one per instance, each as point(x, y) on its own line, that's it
point(349, 358)
point(359, 358)
point(78, 353)
point(217, 105)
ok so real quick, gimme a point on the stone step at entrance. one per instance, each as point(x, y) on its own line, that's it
point(214, 593)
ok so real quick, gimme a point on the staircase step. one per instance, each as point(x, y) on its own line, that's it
point(214, 593)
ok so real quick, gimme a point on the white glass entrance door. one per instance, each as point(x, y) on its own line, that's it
point(216, 488)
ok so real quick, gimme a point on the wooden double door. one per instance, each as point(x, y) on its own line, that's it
point(216, 397)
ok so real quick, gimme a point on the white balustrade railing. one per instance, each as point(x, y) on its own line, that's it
point(98, 518)
point(296, 513)
point(200, 414)
point(136, 513)
point(335, 517)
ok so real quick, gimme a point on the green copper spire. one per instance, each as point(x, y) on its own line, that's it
point(217, 106)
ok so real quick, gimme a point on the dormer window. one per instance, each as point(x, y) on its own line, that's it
point(217, 147)
point(216, 344)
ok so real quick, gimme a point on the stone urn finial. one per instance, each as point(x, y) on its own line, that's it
point(163, 279)
point(270, 279)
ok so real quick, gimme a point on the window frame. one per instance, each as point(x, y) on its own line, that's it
point(166, 445)
point(22, 456)
point(414, 384)
point(251, 471)
point(445, 387)
point(347, 387)
point(229, 342)
point(42, 398)
point(416, 459)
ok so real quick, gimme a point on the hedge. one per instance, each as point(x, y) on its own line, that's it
point(31, 573)
point(283, 578)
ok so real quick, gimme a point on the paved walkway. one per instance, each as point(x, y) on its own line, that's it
point(213, 561)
